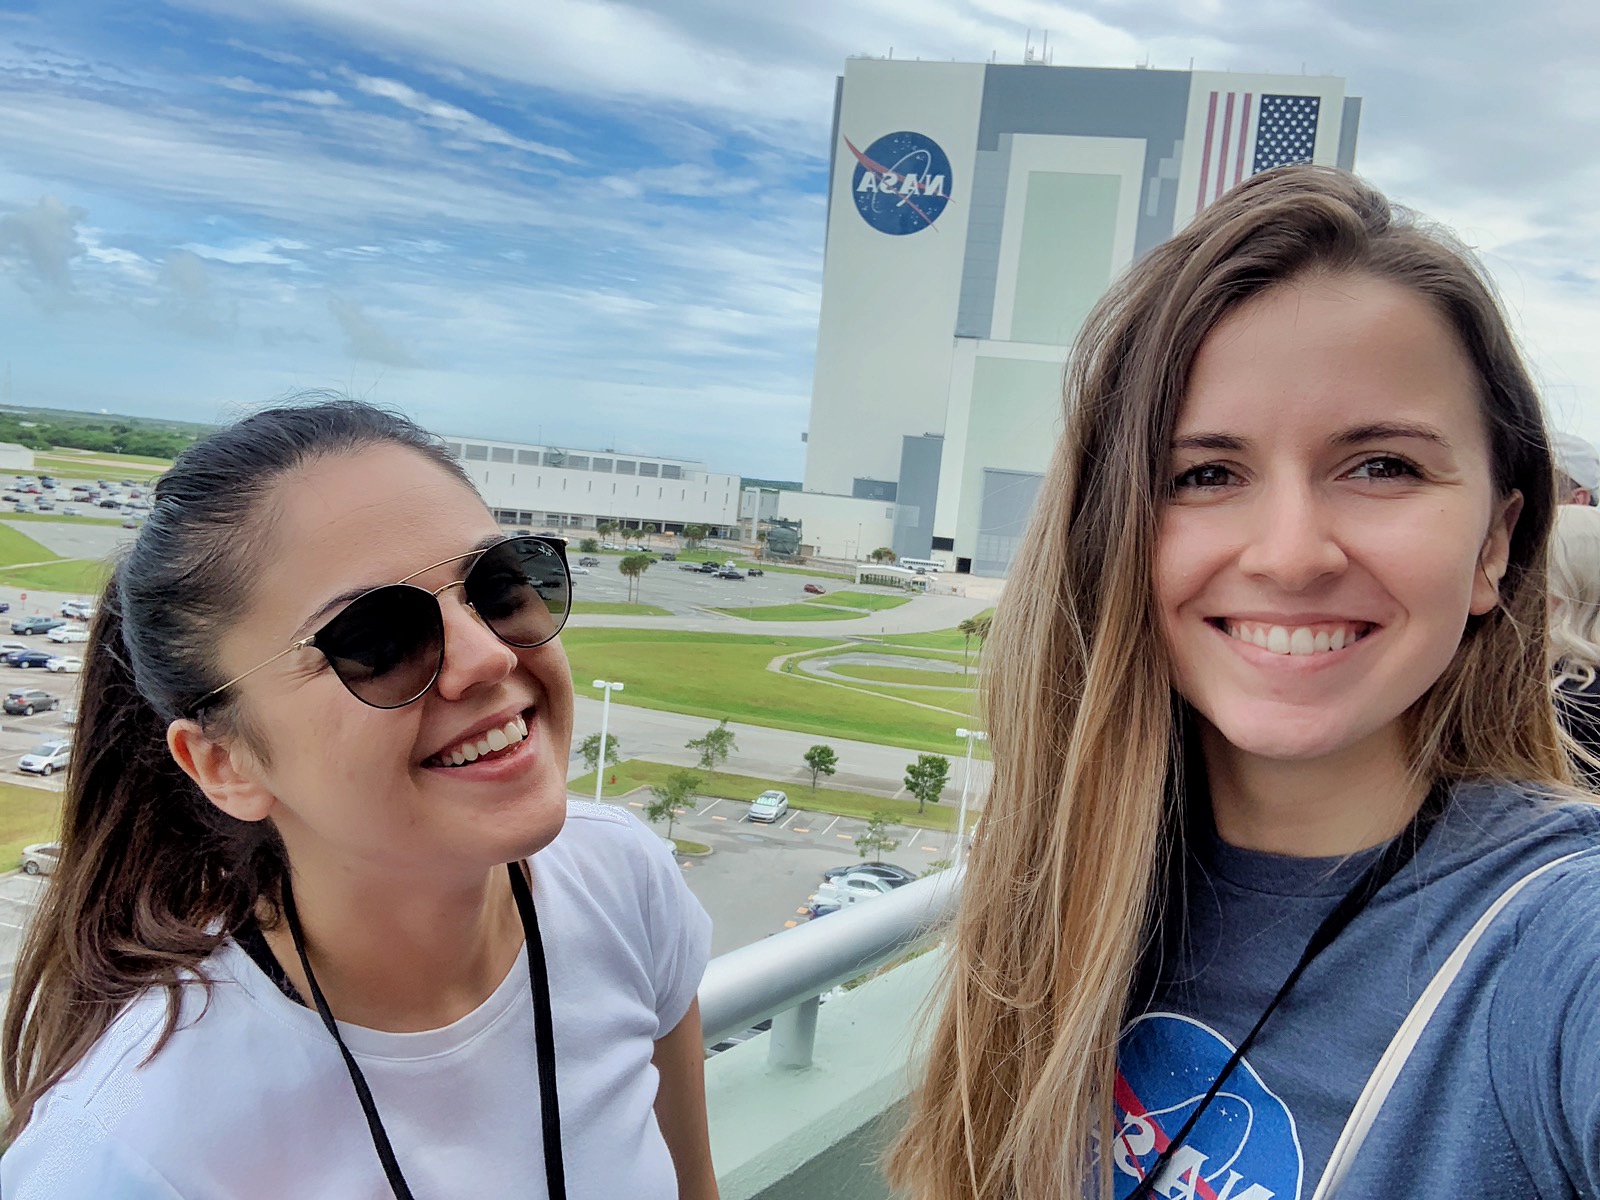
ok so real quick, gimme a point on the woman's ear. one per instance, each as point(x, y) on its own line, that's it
point(1495, 556)
point(215, 767)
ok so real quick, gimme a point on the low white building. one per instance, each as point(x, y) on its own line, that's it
point(548, 487)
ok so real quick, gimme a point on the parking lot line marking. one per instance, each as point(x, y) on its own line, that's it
point(9, 925)
point(797, 829)
point(713, 804)
point(790, 821)
point(831, 824)
point(929, 849)
point(719, 817)
point(845, 836)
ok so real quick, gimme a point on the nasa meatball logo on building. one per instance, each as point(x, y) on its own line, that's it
point(902, 182)
point(1244, 1146)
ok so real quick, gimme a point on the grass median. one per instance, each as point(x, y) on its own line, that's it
point(865, 601)
point(617, 608)
point(840, 802)
point(717, 675)
point(791, 612)
point(27, 815)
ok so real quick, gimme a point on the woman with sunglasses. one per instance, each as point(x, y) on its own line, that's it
point(325, 922)
point(1284, 890)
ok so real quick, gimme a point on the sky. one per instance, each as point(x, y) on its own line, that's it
point(599, 224)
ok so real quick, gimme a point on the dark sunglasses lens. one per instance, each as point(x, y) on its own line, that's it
point(521, 588)
point(387, 647)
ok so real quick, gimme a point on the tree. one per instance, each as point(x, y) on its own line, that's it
point(633, 567)
point(882, 555)
point(693, 535)
point(589, 545)
point(591, 751)
point(876, 840)
point(968, 630)
point(649, 530)
point(925, 778)
point(671, 797)
point(715, 747)
point(605, 528)
point(823, 761)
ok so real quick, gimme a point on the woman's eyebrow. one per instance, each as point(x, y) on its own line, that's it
point(1375, 431)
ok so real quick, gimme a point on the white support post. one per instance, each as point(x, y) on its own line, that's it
point(794, 1035)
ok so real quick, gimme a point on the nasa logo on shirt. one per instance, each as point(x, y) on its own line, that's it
point(1244, 1147)
point(902, 182)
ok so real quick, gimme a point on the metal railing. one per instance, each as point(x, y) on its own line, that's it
point(783, 976)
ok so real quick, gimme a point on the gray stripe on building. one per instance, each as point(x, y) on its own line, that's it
point(1349, 125)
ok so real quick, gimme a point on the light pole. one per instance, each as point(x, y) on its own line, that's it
point(972, 735)
point(607, 686)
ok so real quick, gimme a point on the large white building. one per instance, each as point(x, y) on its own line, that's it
point(548, 487)
point(976, 212)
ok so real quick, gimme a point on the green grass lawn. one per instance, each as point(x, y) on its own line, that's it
point(85, 576)
point(872, 645)
point(872, 673)
point(62, 520)
point(617, 608)
point(99, 466)
point(866, 601)
point(790, 612)
point(27, 815)
point(18, 547)
point(718, 675)
point(638, 773)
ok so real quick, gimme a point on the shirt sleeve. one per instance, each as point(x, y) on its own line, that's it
point(1544, 1034)
point(65, 1154)
point(679, 927)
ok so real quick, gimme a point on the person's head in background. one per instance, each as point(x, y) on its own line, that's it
point(1575, 594)
point(1578, 470)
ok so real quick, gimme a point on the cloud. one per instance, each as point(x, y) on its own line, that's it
point(192, 299)
point(364, 339)
point(43, 241)
point(263, 251)
point(317, 97)
point(451, 117)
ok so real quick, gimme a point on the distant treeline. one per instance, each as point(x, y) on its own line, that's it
point(42, 429)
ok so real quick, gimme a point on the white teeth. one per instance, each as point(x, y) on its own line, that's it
point(496, 739)
point(1301, 641)
point(483, 747)
point(471, 752)
point(492, 742)
point(457, 758)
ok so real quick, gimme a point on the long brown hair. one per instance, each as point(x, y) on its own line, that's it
point(153, 877)
point(1064, 891)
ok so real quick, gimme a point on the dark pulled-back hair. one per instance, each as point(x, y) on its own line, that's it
point(153, 877)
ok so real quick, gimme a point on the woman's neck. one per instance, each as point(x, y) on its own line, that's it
point(402, 956)
point(1362, 796)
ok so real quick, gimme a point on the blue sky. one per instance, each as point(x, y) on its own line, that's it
point(600, 224)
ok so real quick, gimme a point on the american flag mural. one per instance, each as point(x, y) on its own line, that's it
point(1248, 133)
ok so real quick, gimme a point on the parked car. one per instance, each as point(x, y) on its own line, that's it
point(7, 647)
point(108, 502)
point(815, 589)
point(609, 546)
point(41, 858)
point(68, 664)
point(588, 560)
point(69, 716)
point(896, 876)
point(754, 571)
point(730, 573)
point(689, 566)
point(709, 568)
point(668, 556)
point(578, 569)
point(46, 758)
point(82, 610)
point(46, 506)
point(24, 702)
point(845, 890)
point(69, 510)
point(28, 658)
point(36, 624)
point(768, 806)
point(23, 508)
point(4, 606)
point(67, 634)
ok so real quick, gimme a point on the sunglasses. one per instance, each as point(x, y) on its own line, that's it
point(387, 646)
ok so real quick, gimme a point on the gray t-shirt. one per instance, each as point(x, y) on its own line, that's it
point(1500, 1098)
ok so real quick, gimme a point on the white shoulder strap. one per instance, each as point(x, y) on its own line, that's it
point(1406, 1038)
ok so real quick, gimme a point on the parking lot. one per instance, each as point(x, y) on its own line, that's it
point(688, 593)
point(19, 734)
point(756, 880)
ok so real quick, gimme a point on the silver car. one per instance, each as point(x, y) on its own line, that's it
point(769, 806)
point(41, 859)
point(46, 758)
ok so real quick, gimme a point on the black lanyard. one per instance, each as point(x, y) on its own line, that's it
point(1385, 867)
point(543, 1038)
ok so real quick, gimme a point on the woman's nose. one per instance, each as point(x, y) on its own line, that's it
point(1292, 540)
point(473, 655)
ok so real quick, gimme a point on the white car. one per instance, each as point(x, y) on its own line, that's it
point(68, 664)
point(577, 570)
point(46, 758)
point(82, 610)
point(41, 859)
point(69, 510)
point(69, 633)
point(768, 806)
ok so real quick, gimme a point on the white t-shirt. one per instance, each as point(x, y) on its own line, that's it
point(250, 1100)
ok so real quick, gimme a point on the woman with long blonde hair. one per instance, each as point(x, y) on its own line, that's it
point(1283, 889)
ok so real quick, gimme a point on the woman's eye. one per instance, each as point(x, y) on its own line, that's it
point(1385, 466)
point(1207, 475)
